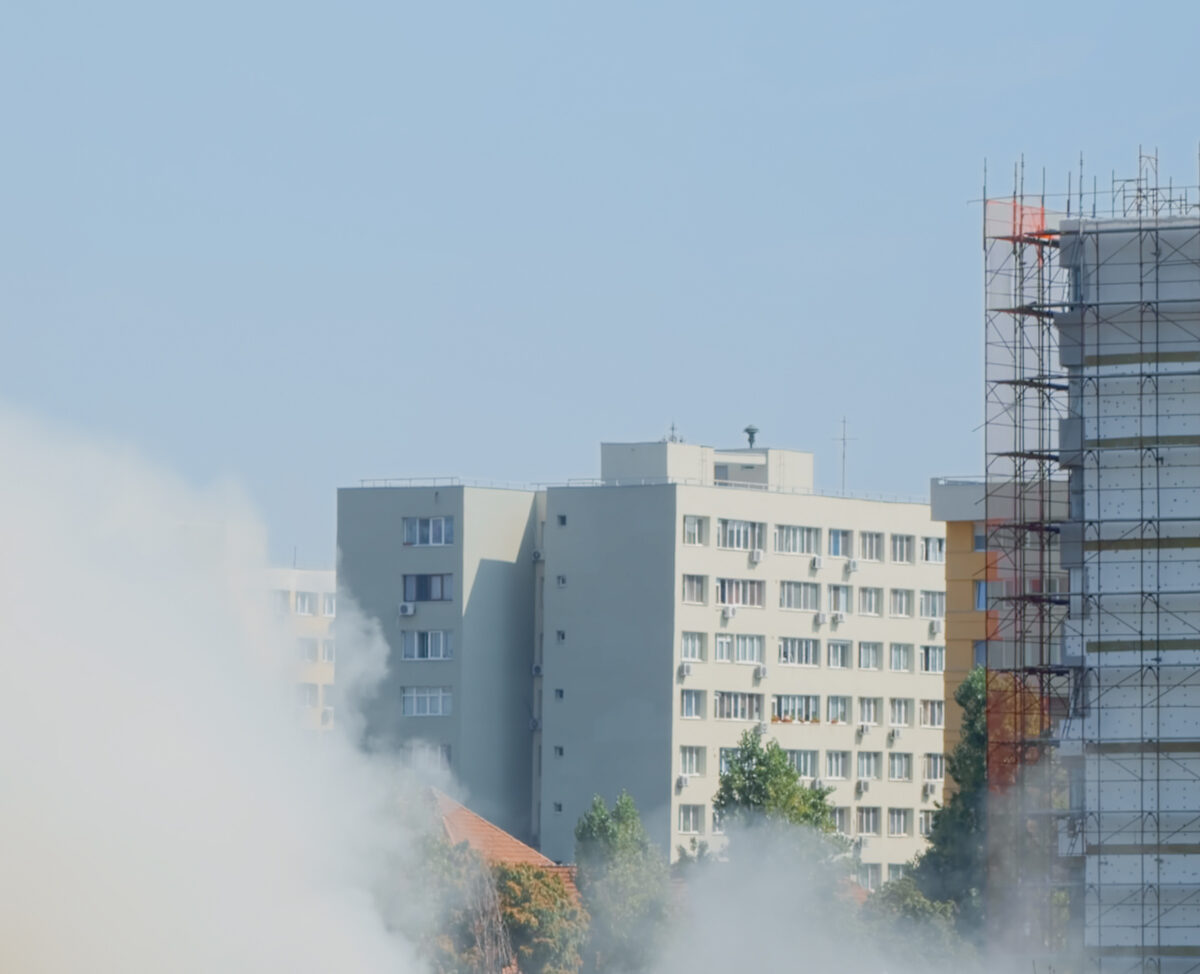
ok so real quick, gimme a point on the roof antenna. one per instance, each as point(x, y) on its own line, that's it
point(751, 431)
point(845, 439)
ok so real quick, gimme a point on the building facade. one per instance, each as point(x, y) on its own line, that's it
point(306, 601)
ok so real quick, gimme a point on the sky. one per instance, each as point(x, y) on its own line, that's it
point(293, 245)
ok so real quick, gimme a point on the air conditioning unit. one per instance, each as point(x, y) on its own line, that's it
point(839, 617)
point(935, 626)
point(852, 565)
point(763, 727)
point(536, 669)
point(894, 734)
point(817, 783)
point(728, 612)
point(816, 562)
point(927, 789)
point(537, 554)
point(685, 669)
point(756, 556)
point(408, 609)
point(535, 724)
point(681, 781)
point(862, 786)
point(820, 618)
point(863, 728)
point(760, 671)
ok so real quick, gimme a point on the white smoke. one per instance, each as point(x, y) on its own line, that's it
point(160, 809)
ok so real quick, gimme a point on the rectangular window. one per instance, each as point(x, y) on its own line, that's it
point(841, 543)
point(901, 658)
point(840, 598)
point(307, 694)
point(425, 701)
point(793, 539)
point(723, 648)
point(691, 704)
point(799, 652)
point(868, 820)
point(839, 655)
point(691, 761)
point(870, 764)
point(933, 605)
point(895, 871)
point(328, 650)
point(691, 819)
point(837, 764)
point(741, 591)
point(899, 767)
point(737, 706)
point(902, 602)
point(306, 603)
point(925, 823)
point(870, 656)
point(933, 659)
point(423, 531)
point(870, 710)
point(870, 546)
point(870, 601)
point(692, 647)
point(693, 589)
point(742, 535)
point(727, 756)
point(980, 588)
point(329, 605)
point(933, 713)
point(901, 712)
point(694, 529)
point(717, 826)
point(804, 763)
point(309, 649)
point(749, 649)
point(935, 767)
point(904, 547)
point(802, 707)
point(428, 588)
point(979, 536)
point(841, 820)
point(800, 595)
point(979, 652)
point(899, 821)
point(933, 549)
point(837, 710)
point(870, 875)
point(426, 644)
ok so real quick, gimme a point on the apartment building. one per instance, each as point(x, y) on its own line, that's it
point(307, 600)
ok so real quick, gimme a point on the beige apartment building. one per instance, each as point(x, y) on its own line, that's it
point(306, 600)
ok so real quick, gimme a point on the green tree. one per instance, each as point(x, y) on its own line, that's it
point(546, 924)
point(954, 866)
point(760, 785)
point(624, 883)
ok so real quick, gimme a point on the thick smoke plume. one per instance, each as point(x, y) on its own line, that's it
point(160, 808)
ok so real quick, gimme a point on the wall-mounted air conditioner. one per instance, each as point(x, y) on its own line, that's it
point(535, 724)
point(682, 781)
point(760, 671)
point(852, 565)
point(839, 617)
point(408, 609)
point(816, 563)
point(820, 618)
point(685, 669)
point(728, 612)
point(863, 728)
point(756, 556)
point(935, 626)
point(536, 669)
point(537, 554)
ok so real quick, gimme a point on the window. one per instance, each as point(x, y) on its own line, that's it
point(903, 548)
point(691, 703)
point(979, 652)
point(307, 694)
point(839, 655)
point(899, 767)
point(979, 536)
point(740, 591)
point(723, 648)
point(718, 826)
point(691, 761)
point(803, 762)
point(870, 875)
point(901, 712)
point(925, 822)
point(749, 649)
point(726, 758)
point(933, 549)
point(895, 871)
point(692, 646)
point(804, 707)
point(837, 764)
point(902, 602)
point(933, 713)
point(935, 767)
point(428, 588)
point(933, 659)
point(933, 605)
point(870, 601)
point(562, 520)
point(870, 709)
point(791, 539)
point(870, 656)
point(426, 644)
point(425, 701)
point(899, 821)
point(841, 820)
point(980, 596)
point(737, 706)
point(329, 604)
point(308, 649)
point(306, 603)
point(328, 650)
point(868, 820)
point(837, 709)
point(743, 535)
point(694, 529)
point(282, 601)
point(693, 589)
point(841, 543)
point(870, 764)
point(691, 819)
point(870, 546)
point(840, 597)
point(901, 658)
point(800, 595)
point(428, 530)
point(799, 652)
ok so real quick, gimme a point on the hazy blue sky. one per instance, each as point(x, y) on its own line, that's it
point(300, 244)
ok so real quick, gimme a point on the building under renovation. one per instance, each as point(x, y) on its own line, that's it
point(1093, 576)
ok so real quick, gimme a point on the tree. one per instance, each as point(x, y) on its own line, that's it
point(760, 785)
point(624, 883)
point(546, 924)
point(954, 866)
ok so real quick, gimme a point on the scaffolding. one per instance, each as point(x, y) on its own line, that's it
point(1093, 575)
